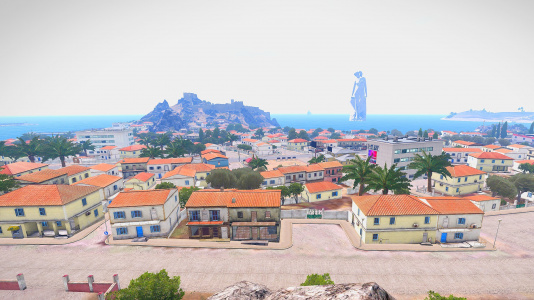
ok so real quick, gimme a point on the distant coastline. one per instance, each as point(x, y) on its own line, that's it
point(17, 124)
point(491, 117)
point(514, 120)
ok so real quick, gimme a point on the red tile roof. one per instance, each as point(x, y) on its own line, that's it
point(250, 140)
point(464, 143)
point(189, 170)
point(41, 176)
point(517, 146)
point(74, 169)
point(525, 161)
point(167, 161)
point(243, 198)
point(209, 151)
point(133, 148)
point(490, 155)
point(135, 160)
point(103, 167)
point(43, 195)
point(392, 205)
point(108, 148)
point(454, 206)
point(462, 149)
point(479, 198)
point(102, 180)
point(464, 170)
point(352, 140)
point(492, 146)
point(503, 150)
point(19, 167)
point(298, 141)
point(314, 168)
point(143, 176)
point(141, 198)
point(320, 137)
point(330, 164)
point(322, 186)
point(271, 174)
point(292, 169)
point(210, 156)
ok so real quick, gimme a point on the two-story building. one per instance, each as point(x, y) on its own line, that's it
point(459, 155)
point(76, 173)
point(141, 181)
point(163, 165)
point(46, 176)
point(319, 191)
point(485, 202)
point(358, 144)
point(108, 183)
point(133, 166)
point(152, 213)
point(464, 180)
point(132, 151)
point(105, 169)
point(465, 144)
point(394, 219)
point(332, 170)
point(21, 167)
point(216, 159)
point(272, 178)
point(297, 145)
point(241, 215)
point(189, 175)
point(314, 172)
point(263, 149)
point(490, 161)
point(294, 174)
point(49, 210)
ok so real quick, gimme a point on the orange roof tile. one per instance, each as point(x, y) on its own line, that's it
point(320, 137)
point(298, 141)
point(102, 180)
point(517, 146)
point(189, 170)
point(141, 198)
point(209, 151)
point(103, 167)
point(492, 146)
point(392, 205)
point(329, 141)
point(43, 195)
point(166, 161)
point(352, 140)
point(322, 186)
point(108, 148)
point(454, 206)
point(271, 174)
point(464, 170)
point(210, 156)
point(462, 149)
point(292, 169)
point(314, 168)
point(134, 160)
point(479, 198)
point(74, 169)
point(143, 176)
point(525, 161)
point(330, 164)
point(250, 140)
point(464, 143)
point(41, 176)
point(504, 150)
point(133, 148)
point(19, 167)
point(261, 144)
point(243, 198)
point(490, 155)
point(273, 141)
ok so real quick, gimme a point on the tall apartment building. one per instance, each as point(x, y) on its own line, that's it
point(106, 137)
point(401, 151)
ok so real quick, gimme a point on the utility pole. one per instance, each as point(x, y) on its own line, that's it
point(498, 225)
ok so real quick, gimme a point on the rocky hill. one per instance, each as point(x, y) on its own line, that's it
point(191, 112)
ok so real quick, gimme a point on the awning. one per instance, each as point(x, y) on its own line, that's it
point(135, 223)
point(454, 230)
point(204, 223)
point(254, 224)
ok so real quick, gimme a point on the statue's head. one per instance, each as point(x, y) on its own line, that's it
point(358, 74)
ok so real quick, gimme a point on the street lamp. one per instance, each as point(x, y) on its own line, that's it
point(497, 233)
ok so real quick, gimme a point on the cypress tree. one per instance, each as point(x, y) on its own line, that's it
point(531, 130)
point(420, 134)
point(425, 134)
point(498, 130)
point(493, 128)
point(504, 130)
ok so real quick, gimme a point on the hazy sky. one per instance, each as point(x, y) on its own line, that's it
point(122, 57)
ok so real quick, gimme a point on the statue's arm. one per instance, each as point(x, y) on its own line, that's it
point(354, 88)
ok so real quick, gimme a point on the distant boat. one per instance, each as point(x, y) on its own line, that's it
point(309, 112)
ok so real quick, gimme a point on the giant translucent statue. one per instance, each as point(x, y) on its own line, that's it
point(359, 98)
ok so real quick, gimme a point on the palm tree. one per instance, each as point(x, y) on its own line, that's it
point(151, 152)
point(162, 140)
point(360, 170)
point(87, 145)
point(389, 179)
point(256, 163)
point(31, 149)
point(317, 159)
point(428, 164)
point(175, 149)
point(232, 138)
point(59, 147)
point(146, 138)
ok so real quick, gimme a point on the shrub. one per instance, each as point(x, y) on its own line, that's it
point(316, 279)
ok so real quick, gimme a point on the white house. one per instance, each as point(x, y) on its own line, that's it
point(110, 184)
point(272, 178)
point(105, 169)
point(485, 202)
point(263, 148)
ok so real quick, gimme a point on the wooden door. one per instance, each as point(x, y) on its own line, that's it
point(254, 216)
point(254, 233)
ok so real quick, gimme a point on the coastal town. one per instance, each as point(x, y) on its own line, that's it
point(229, 186)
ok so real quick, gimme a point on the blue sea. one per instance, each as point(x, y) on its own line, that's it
point(381, 122)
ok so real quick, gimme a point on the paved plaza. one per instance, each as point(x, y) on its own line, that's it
point(317, 248)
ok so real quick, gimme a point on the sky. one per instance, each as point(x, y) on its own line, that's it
point(123, 57)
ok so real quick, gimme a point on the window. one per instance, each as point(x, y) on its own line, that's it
point(96, 212)
point(271, 229)
point(268, 214)
point(84, 201)
point(301, 175)
point(441, 176)
point(155, 228)
point(457, 190)
point(137, 214)
point(482, 161)
point(42, 211)
point(175, 198)
point(214, 215)
point(19, 212)
point(271, 182)
point(493, 161)
point(122, 230)
point(115, 187)
point(334, 194)
point(240, 214)
point(502, 161)
point(187, 182)
point(44, 223)
point(458, 236)
point(392, 221)
point(465, 179)
point(0, 229)
point(358, 211)
point(461, 220)
point(119, 215)
point(318, 196)
point(377, 221)
point(446, 188)
point(494, 206)
point(480, 177)
point(86, 175)
point(427, 220)
point(264, 183)
point(459, 179)
point(375, 236)
point(58, 223)
point(194, 215)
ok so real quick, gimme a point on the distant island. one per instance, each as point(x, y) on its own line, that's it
point(483, 115)
point(192, 113)
point(17, 124)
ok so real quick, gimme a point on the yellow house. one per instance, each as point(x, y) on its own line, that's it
point(322, 190)
point(131, 151)
point(49, 210)
point(464, 180)
point(297, 144)
point(141, 181)
point(46, 176)
point(490, 161)
point(394, 219)
point(20, 168)
point(76, 173)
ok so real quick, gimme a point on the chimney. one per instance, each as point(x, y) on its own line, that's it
point(222, 188)
point(233, 200)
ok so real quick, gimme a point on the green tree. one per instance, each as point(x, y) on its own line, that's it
point(7, 183)
point(284, 191)
point(256, 163)
point(316, 279)
point(316, 132)
point(146, 138)
point(429, 164)
point(360, 170)
point(165, 185)
point(151, 152)
point(435, 135)
point(531, 130)
point(292, 134)
point(248, 179)
point(489, 140)
point(504, 142)
point(523, 183)
point(29, 136)
point(296, 189)
point(175, 148)
point(335, 136)
point(162, 140)
point(420, 134)
point(259, 133)
point(317, 159)
point(222, 178)
point(31, 149)
point(244, 147)
point(504, 130)
point(498, 131)
point(396, 132)
point(59, 147)
point(501, 186)
point(200, 135)
point(232, 138)
point(303, 135)
point(526, 168)
point(198, 148)
point(151, 286)
point(373, 131)
point(435, 296)
point(331, 130)
point(86, 145)
point(185, 193)
point(493, 130)
point(389, 179)
point(425, 134)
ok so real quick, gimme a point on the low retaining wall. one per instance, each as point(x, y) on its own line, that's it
point(102, 288)
point(324, 214)
point(13, 285)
